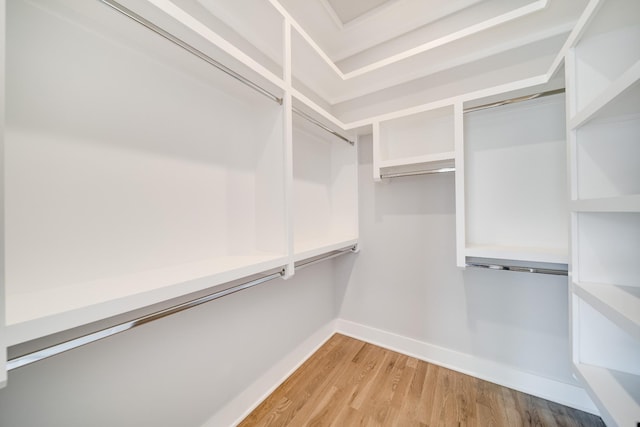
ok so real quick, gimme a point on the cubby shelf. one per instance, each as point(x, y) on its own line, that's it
point(620, 304)
point(617, 392)
point(620, 98)
point(603, 86)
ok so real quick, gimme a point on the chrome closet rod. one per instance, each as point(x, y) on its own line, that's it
point(178, 42)
point(519, 269)
point(514, 100)
point(320, 125)
point(307, 263)
point(113, 330)
point(425, 172)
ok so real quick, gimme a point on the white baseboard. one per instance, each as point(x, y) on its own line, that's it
point(504, 375)
point(242, 405)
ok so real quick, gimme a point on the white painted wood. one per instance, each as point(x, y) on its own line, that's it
point(3, 342)
point(515, 196)
point(607, 158)
point(533, 7)
point(135, 173)
point(487, 370)
point(599, 335)
point(211, 36)
point(518, 253)
point(429, 133)
point(615, 391)
point(325, 198)
point(629, 203)
point(618, 99)
point(443, 158)
point(376, 151)
point(252, 26)
point(606, 50)
point(461, 236)
point(609, 244)
point(621, 304)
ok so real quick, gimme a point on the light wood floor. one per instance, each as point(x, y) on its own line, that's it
point(351, 383)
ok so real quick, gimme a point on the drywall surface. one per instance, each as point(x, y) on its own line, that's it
point(178, 371)
point(405, 281)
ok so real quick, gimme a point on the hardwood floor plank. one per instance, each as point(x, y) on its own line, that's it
point(348, 383)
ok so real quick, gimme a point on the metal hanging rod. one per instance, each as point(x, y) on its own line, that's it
point(320, 125)
point(113, 330)
point(333, 254)
point(178, 42)
point(425, 172)
point(514, 100)
point(555, 272)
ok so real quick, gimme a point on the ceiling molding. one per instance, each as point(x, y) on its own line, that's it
point(538, 5)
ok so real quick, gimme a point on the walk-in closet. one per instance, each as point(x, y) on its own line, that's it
point(319, 212)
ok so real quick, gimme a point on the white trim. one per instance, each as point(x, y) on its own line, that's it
point(468, 31)
point(488, 370)
point(243, 404)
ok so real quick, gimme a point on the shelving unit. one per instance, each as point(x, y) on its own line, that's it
point(514, 201)
point(416, 143)
point(324, 189)
point(157, 201)
point(603, 76)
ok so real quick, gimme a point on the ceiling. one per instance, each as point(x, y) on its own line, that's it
point(347, 11)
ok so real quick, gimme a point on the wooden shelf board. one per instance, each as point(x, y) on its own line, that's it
point(619, 98)
point(311, 248)
point(617, 394)
point(620, 304)
point(546, 255)
point(35, 314)
point(448, 156)
point(629, 203)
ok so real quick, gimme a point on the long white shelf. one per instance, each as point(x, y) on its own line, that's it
point(619, 98)
point(629, 203)
point(437, 158)
point(617, 394)
point(35, 314)
point(546, 255)
point(311, 248)
point(620, 304)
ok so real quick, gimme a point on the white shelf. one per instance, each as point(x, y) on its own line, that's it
point(617, 392)
point(446, 159)
point(620, 98)
point(546, 255)
point(620, 304)
point(607, 204)
point(312, 248)
point(515, 202)
point(32, 315)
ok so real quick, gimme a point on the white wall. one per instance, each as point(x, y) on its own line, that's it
point(178, 371)
point(405, 282)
